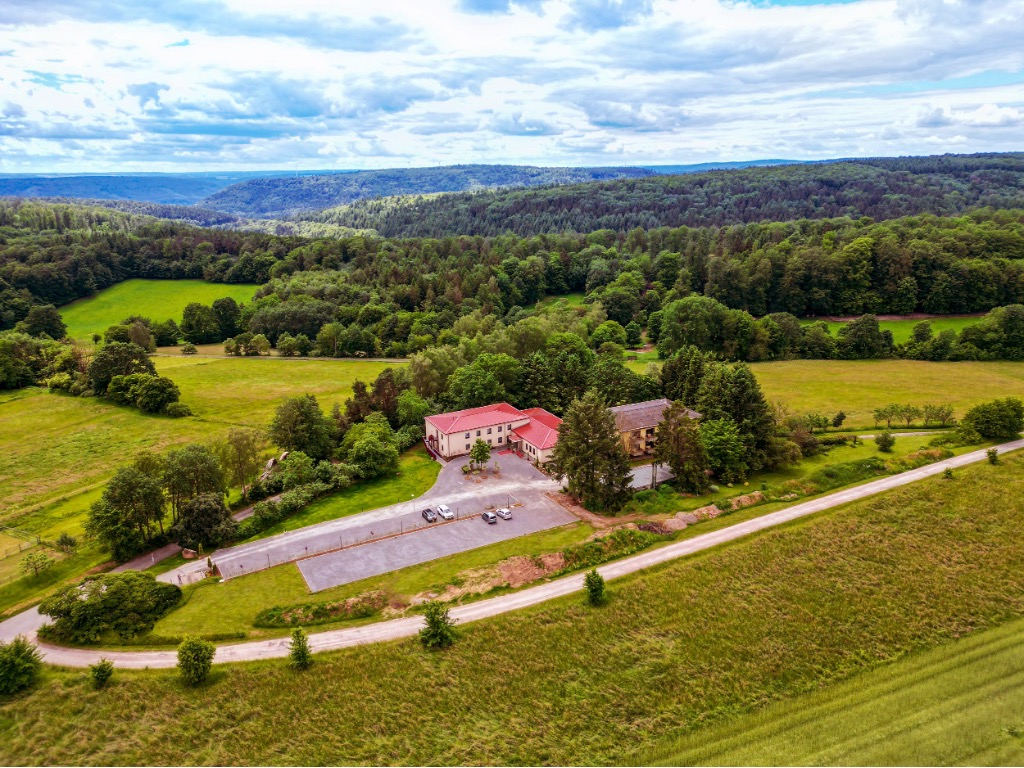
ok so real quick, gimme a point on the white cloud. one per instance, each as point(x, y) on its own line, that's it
point(89, 85)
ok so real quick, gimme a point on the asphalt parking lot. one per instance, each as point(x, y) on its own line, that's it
point(518, 485)
point(421, 546)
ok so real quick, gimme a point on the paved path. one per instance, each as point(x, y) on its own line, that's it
point(26, 623)
point(148, 560)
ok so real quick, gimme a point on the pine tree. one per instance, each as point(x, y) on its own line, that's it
point(590, 455)
point(299, 656)
point(732, 392)
point(680, 446)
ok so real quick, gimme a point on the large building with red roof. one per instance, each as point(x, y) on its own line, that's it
point(532, 432)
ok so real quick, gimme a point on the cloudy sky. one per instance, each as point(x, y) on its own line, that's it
point(148, 85)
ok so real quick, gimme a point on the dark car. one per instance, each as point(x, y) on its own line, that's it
point(428, 515)
point(490, 517)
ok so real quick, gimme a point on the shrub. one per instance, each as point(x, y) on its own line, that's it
point(67, 543)
point(188, 348)
point(594, 583)
point(997, 420)
point(177, 410)
point(885, 441)
point(19, 665)
point(299, 656)
point(195, 657)
point(993, 455)
point(100, 673)
point(947, 473)
point(127, 603)
point(439, 631)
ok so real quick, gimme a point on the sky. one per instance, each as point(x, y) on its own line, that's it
point(195, 85)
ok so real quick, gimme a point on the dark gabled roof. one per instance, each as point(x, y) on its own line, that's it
point(649, 413)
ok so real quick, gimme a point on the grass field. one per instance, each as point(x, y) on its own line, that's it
point(959, 704)
point(859, 386)
point(158, 300)
point(677, 649)
point(901, 329)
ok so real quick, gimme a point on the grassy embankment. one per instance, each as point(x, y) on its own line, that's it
point(159, 300)
point(961, 703)
point(677, 648)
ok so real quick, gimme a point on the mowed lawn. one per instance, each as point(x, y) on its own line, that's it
point(213, 608)
point(159, 300)
point(675, 650)
point(58, 451)
point(959, 704)
point(858, 387)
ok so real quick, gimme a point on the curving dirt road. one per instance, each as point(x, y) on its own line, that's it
point(28, 622)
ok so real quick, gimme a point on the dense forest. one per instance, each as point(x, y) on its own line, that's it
point(53, 254)
point(276, 197)
point(883, 188)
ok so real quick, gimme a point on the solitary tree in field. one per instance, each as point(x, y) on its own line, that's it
point(195, 658)
point(480, 453)
point(35, 563)
point(439, 631)
point(590, 455)
point(299, 656)
point(885, 441)
point(594, 584)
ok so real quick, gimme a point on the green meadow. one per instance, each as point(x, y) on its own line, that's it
point(159, 300)
point(901, 329)
point(961, 703)
point(677, 651)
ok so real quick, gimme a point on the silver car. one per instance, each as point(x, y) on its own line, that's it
point(445, 512)
point(489, 517)
point(504, 513)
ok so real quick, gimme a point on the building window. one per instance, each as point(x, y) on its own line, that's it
point(467, 446)
point(488, 430)
point(489, 441)
point(500, 438)
point(467, 435)
point(478, 433)
point(499, 427)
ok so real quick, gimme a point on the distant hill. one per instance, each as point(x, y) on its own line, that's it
point(881, 188)
point(277, 197)
point(165, 188)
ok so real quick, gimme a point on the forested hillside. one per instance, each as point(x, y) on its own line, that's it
point(275, 197)
point(883, 188)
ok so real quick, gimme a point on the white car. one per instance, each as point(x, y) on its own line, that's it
point(445, 512)
point(504, 513)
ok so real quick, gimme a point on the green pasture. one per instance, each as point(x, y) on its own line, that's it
point(961, 703)
point(676, 650)
point(901, 329)
point(858, 387)
point(159, 300)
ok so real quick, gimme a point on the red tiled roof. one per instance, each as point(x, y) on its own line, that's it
point(475, 418)
point(542, 431)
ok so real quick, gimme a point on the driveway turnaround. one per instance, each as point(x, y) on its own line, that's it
point(438, 540)
point(28, 622)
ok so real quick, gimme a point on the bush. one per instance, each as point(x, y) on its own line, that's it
point(195, 657)
point(188, 348)
point(19, 665)
point(993, 455)
point(624, 541)
point(177, 410)
point(299, 656)
point(127, 603)
point(885, 441)
point(67, 543)
point(997, 420)
point(101, 672)
point(594, 583)
point(439, 631)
